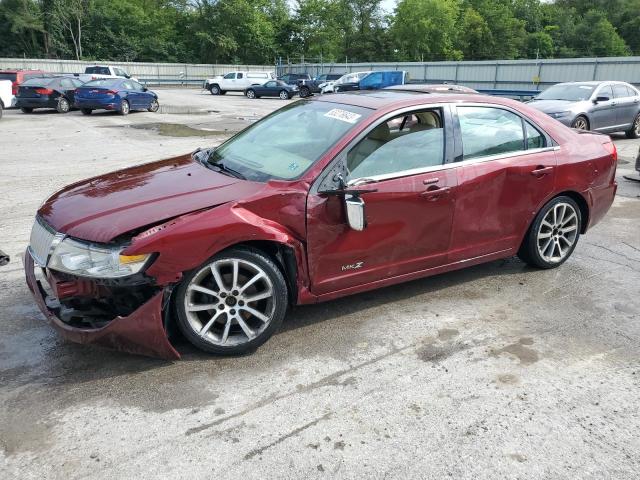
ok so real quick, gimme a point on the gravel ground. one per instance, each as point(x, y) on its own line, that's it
point(497, 371)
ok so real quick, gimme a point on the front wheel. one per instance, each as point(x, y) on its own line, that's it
point(232, 303)
point(553, 235)
point(580, 123)
point(284, 95)
point(251, 94)
point(305, 92)
point(154, 106)
point(634, 132)
point(214, 89)
point(63, 105)
point(125, 108)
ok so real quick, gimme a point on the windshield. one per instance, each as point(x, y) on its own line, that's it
point(572, 93)
point(103, 82)
point(288, 142)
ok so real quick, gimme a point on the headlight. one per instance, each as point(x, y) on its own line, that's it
point(96, 261)
point(559, 114)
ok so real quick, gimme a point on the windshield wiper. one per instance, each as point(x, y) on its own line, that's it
point(222, 168)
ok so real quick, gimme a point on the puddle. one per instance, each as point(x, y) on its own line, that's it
point(181, 110)
point(180, 130)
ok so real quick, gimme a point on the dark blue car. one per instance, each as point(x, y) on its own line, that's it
point(119, 94)
point(272, 88)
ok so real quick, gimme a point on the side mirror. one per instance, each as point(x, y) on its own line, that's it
point(145, 89)
point(126, 75)
point(601, 99)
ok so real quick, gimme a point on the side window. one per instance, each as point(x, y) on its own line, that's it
point(620, 91)
point(127, 85)
point(535, 139)
point(77, 83)
point(239, 76)
point(66, 83)
point(489, 131)
point(606, 91)
point(406, 142)
point(631, 92)
point(230, 76)
point(137, 86)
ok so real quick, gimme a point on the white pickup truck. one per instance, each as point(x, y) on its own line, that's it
point(236, 81)
point(5, 95)
point(102, 71)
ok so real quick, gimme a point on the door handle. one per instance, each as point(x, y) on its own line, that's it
point(436, 192)
point(541, 171)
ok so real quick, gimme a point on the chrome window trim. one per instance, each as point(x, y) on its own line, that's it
point(447, 166)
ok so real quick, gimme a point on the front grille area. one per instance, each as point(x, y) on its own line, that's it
point(42, 237)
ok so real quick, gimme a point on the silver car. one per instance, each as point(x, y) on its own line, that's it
point(605, 107)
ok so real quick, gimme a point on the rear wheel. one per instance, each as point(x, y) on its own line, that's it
point(154, 105)
point(125, 108)
point(63, 105)
point(251, 94)
point(86, 111)
point(635, 129)
point(305, 92)
point(26, 109)
point(553, 235)
point(232, 303)
point(284, 95)
point(580, 123)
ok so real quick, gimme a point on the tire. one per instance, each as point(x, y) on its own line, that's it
point(125, 108)
point(251, 94)
point(214, 89)
point(26, 110)
point(580, 123)
point(305, 92)
point(206, 328)
point(63, 105)
point(155, 105)
point(284, 95)
point(86, 111)
point(634, 132)
point(1, 109)
point(547, 236)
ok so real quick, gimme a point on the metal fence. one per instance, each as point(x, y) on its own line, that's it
point(150, 73)
point(492, 74)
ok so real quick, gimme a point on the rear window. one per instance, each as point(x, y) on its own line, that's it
point(38, 82)
point(97, 70)
point(103, 82)
point(8, 76)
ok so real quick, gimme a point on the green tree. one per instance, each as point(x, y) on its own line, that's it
point(539, 45)
point(474, 37)
point(599, 37)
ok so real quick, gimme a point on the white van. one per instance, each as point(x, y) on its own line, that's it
point(236, 81)
point(6, 97)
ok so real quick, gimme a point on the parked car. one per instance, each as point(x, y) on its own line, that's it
point(295, 78)
point(398, 186)
point(605, 107)
point(121, 95)
point(372, 81)
point(5, 95)
point(272, 88)
point(330, 85)
point(52, 92)
point(102, 71)
point(309, 87)
point(17, 77)
point(432, 88)
point(236, 81)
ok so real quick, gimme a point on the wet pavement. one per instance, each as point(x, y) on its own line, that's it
point(496, 371)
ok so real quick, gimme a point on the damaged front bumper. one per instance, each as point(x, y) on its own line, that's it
point(142, 332)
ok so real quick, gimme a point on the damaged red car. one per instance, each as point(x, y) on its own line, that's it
point(323, 198)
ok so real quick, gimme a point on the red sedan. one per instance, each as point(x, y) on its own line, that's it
point(323, 198)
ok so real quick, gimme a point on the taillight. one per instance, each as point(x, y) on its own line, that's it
point(613, 151)
point(14, 88)
point(44, 91)
point(112, 92)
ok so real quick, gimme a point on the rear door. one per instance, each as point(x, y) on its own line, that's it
point(627, 105)
point(506, 170)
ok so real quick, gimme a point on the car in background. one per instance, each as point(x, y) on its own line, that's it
point(48, 92)
point(118, 94)
point(398, 186)
point(330, 85)
point(102, 71)
point(19, 76)
point(433, 88)
point(373, 81)
point(236, 81)
point(309, 87)
point(5, 95)
point(604, 106)
point(295, 78)
point(272, 88)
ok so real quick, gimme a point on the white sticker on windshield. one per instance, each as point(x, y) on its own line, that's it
point(343, 115)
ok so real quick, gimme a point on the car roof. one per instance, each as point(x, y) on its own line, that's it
point(433, 88)
point(592, 82)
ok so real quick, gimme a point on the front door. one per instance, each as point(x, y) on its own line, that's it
point(604, 113)
point(507, 170)
point(408, 216)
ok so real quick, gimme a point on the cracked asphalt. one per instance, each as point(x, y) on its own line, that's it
point(497, 371)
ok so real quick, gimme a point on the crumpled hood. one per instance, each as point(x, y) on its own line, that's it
point(553, 106)
point(104, 207)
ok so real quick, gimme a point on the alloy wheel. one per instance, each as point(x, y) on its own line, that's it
point(229, 302)
point(154, 106)
point(580, 124)
point(558, 233)
point(63, 105)
point(251, 94)
point(284, 95)
point(636, 126)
